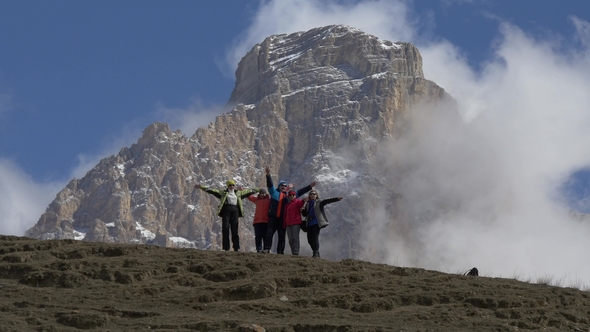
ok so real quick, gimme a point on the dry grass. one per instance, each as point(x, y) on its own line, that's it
point(70, 285)
point(546, 280)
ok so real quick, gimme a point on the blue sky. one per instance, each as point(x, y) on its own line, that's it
point(81, 79)
point(77, 76)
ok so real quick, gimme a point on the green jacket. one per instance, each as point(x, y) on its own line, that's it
point(222, 195)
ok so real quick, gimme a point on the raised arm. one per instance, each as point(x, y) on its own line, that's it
point(272, 191)
point(306, 189)
point(269, 183)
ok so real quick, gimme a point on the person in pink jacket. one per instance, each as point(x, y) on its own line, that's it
point(292, 220)
point(262, 202)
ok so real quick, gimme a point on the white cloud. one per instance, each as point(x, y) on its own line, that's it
point(23, 200)
point(583, 31)
point(496, 173)
point(527, 116)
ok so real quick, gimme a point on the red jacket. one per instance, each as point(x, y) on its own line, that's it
point(293, 213)
point(262, 206)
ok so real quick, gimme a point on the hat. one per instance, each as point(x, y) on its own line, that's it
point(262, 191)
point(282, 182)
point(292, 192)
point(230, 182)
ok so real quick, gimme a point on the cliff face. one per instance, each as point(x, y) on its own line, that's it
point(310, 105)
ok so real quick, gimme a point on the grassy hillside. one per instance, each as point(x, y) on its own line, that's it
point(69, 285)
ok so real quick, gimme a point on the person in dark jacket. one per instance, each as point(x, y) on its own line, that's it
point(278, 201)
point(315, 219)
point(230, 209)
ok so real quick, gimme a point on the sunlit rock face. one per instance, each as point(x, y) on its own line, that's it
point(309, 105)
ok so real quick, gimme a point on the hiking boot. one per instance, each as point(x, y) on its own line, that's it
point(266, 251)
point(316, 254)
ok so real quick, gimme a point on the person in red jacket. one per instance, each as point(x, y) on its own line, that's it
point(278, 200)
point(262, 202)
point(292, 220)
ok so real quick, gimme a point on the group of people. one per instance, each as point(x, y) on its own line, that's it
point(279, 210)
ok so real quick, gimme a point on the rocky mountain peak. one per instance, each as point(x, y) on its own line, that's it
point(309, 105)
point(291, 62)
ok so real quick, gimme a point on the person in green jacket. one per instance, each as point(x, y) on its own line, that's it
point(230, 209)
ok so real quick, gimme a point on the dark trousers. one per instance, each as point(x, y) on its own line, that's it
point(229, 221)
point(260, 235)
point(313, 237)
point(275, 224)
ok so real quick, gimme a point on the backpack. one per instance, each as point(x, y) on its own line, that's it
point(472, 272)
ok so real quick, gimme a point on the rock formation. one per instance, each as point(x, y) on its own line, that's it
point(310, 105)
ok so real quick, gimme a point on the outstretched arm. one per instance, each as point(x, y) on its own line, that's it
point(330, 200)
point(214, 192)
point(247, 192)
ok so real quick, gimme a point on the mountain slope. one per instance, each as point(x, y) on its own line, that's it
point(310, 105)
